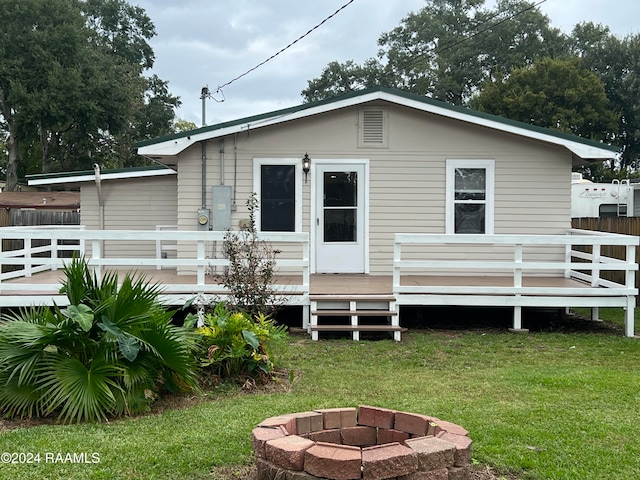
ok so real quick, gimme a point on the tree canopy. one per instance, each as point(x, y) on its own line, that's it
point(72, 89)
point(552, 92)
point(508, 60)
point(447, 50)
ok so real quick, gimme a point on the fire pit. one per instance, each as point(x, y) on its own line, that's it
point(367, 443)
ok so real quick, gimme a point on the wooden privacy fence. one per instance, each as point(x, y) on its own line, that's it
point(622, 225)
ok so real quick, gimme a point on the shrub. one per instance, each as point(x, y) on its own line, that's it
point(233, 344)
point(108, 353)
point(252, 269)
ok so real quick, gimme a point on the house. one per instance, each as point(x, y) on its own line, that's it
point(396, 199)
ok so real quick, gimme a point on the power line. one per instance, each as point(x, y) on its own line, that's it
point(287, 47)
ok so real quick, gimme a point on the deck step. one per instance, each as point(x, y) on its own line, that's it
point(357, 328)
point(353, 313)
point(352, 298)
point(357, 307)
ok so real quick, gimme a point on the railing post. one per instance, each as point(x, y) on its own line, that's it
point(54, 254)
point(96, 254)
point(27, 257)
point(630, 274)
point(82, 250)
point(567, 257)
point(630, 281)
point(517, 284)
point(595, 265)
point(517, 274)
point(397, 254)
point(306, 256)
point(201, 266)
point(629, 317)
point(158, 250)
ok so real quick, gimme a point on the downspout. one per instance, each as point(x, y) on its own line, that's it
point(96, 169)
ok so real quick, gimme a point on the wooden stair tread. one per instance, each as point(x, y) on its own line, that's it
point(353, 298)
point(358, 328)
point(353, 313)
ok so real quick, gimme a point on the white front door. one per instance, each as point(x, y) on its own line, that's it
point(341, 217)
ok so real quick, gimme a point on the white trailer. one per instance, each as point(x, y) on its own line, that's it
point(620, 198)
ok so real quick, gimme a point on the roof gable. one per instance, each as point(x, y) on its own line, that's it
point(172, 145)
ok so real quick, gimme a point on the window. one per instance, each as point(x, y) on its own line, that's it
point(277, 184)
point(613, 210)
point(469, 190)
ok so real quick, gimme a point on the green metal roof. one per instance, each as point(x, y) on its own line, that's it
point(82, 173)
point(389, 91)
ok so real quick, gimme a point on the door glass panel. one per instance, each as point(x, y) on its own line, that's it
point(340, 225)
point(340, 206)
point(340, 189)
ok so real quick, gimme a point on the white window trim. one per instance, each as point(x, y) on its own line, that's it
point(489, 166)
point(257, 169)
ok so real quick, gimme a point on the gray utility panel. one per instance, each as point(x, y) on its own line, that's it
point(221, 211)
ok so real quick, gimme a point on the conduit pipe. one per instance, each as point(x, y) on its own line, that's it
point(222, 161)
point(204, 174)
point(234, 205)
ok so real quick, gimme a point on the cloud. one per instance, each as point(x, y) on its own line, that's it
point(204, 42)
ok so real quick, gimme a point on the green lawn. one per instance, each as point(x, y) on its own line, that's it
point(540, 406)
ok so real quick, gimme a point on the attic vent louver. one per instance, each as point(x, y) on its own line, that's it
point(373, 128)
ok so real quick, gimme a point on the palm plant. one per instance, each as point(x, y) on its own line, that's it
point(108, 353)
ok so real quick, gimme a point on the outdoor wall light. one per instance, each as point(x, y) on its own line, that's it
point(306, 166)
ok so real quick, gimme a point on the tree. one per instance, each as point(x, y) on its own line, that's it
point(447, 50)
point(152, 115)
point(71, 83)
point(339, 78)
point(182, 125)
point(555, 94)
point(38, 44)
point(616, 61)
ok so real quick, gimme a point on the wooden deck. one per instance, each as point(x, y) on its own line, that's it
point(516, 271)
point(320, 284)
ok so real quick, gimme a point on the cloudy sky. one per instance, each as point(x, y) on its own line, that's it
point(211, 42)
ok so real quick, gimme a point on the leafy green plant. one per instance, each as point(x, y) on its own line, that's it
point(252, 268)
point(233, 344)
point(108, 353)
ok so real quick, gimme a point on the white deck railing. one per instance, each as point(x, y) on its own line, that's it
point(31, 259)
point(191, 277)
point(414, 254)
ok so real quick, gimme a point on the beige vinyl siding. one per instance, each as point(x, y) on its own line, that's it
point(131, 204)
point(407, 179)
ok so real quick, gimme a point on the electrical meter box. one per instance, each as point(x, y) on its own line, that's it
point(203, 216)
point(221, 212)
